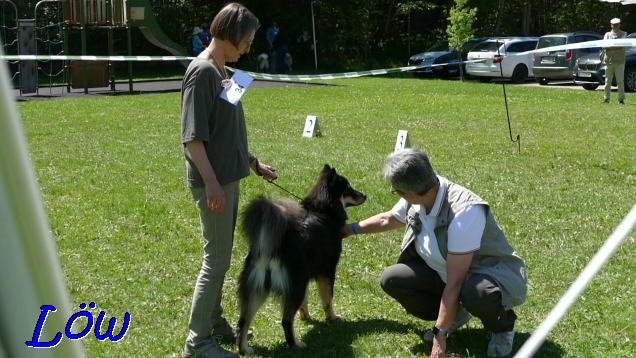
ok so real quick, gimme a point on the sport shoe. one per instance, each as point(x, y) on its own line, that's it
point(226, 333)
point(462, 318)
point(207, 349)
point(500, 344)
point(621, 102)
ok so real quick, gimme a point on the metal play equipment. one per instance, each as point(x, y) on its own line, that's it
point(54, 22)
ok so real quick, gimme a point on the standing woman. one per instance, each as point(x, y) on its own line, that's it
point(215, 146)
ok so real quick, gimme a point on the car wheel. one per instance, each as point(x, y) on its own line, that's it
point(590, 87)
point(630, 79)
point(520, 74)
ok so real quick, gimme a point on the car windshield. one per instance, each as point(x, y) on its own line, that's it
point(550, 41)
point(487, 46)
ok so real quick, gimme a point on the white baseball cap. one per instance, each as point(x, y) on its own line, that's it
point(615, 20)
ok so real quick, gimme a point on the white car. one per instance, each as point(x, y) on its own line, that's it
point(501, 58)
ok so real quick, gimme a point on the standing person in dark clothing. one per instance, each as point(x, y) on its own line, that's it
point(281, 48)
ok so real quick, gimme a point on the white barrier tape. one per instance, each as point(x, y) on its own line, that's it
point(628, 42)
point(587, 44)
point(91, 58)
point(602, 256)
point(255, 75)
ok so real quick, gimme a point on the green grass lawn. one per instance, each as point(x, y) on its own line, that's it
point(112, 178)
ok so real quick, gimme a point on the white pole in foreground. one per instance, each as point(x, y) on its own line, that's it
point(30, 274)
point(601, 257)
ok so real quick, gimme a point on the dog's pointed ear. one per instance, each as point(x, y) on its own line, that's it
point(334, 179)
point(327, 172)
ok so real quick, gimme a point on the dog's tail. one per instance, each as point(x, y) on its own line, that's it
point(265, 222)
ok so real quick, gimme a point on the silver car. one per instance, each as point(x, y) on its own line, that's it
point(559, 65)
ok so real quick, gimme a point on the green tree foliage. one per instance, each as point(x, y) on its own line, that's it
point(460, 27)
point(363, 34)
point(460, 24)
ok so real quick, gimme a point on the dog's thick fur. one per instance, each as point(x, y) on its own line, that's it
point(290, 244)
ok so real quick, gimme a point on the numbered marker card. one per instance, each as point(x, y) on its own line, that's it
point(237, 86)
point(311, 127)
point(402, 140)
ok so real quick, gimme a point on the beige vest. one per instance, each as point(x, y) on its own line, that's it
point(495, 257)
point(614, 55)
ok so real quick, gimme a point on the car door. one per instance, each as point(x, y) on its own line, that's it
point(517, 49)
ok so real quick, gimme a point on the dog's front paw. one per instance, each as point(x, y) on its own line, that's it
point(299, 345)
point(334, 318)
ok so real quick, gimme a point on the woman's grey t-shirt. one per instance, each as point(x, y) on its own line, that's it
point(219, 124)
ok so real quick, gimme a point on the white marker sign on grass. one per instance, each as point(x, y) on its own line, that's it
point(402, 140)
point(311, 127)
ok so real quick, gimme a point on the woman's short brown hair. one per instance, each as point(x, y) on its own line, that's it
point(234, 23)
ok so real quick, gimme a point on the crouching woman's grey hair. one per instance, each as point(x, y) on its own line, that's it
point(409, 171)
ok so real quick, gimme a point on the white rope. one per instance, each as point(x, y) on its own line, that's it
point(586, 276)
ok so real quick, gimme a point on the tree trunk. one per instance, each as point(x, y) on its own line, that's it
point(527, 18)
point(500, 9)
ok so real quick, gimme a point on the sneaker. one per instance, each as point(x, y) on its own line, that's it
point(462, 318)
point(226, 333)
point(606, 100)
point(500, 344)
point(207, 349)
point(621, 102)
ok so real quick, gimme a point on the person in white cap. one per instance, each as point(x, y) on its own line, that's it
point(614, 59)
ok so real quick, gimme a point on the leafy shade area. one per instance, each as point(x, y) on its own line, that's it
point(350, 35)
point(112, 178)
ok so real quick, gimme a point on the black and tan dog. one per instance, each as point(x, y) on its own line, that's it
point(291, 244)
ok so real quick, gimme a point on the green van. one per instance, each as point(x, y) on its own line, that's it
point(560, 65)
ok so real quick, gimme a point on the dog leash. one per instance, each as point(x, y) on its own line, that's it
point(271, 181)
point(285, 190)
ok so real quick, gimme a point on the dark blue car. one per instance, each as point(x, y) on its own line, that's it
point(442, 54)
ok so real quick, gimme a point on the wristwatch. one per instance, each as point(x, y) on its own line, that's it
point(440, 332)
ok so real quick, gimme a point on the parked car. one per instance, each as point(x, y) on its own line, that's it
point(498, 60)
point(440, 54)
point(590, 72)
point(559, 65)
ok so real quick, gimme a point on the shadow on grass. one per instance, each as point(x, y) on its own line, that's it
point(473, 342)
point(334, 339)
